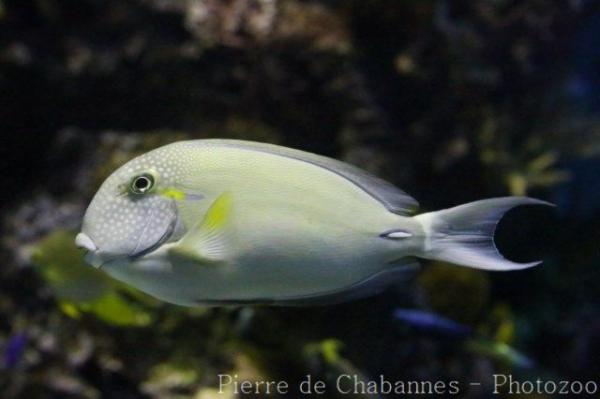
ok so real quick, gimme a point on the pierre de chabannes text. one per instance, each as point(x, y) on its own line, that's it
point(352, 384)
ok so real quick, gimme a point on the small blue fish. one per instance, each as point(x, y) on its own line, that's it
point(14, 349)
point(431, 322)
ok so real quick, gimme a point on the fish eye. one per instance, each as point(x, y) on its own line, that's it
point(142, 184)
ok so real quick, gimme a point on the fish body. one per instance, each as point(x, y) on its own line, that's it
point(223, 222)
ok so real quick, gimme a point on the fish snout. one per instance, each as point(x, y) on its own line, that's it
point(93, 256)
point(83, 241)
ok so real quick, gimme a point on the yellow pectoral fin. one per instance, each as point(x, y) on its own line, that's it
point(218, 214)
point(210, 240)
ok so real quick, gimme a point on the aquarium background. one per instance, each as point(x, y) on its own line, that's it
point(452, 101)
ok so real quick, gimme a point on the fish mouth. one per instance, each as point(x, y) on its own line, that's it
point(93, 255)
point(85, 242)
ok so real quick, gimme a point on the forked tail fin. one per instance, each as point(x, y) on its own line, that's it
point(465, 234)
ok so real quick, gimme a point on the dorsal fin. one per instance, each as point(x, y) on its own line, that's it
point(394, 199)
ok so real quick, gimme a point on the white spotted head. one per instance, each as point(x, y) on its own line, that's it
point(133, 212)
